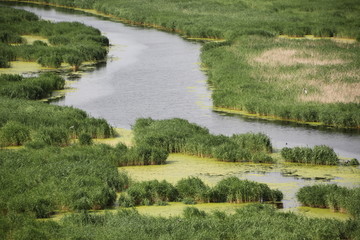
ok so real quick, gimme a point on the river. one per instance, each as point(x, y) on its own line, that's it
point(155, 74)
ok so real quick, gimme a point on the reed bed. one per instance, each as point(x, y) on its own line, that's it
point(321, 155)
point(16, 86)
point(331, 196)
point(192, 190)
point(39, 121)
point(232, 18)
point(180, 136)
point(128, 224)
point(71, 43)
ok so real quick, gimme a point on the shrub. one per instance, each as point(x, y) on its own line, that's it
point(126, 201)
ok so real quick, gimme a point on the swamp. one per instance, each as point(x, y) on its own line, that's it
point(226, 119)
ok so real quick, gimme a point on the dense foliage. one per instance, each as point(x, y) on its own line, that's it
point(250, 222)
point(49, 179)
point(192, 190)
point(70, 42)
point(178, 135)
point(43, 123)
point(322, 155)
point(16, 86)
point(331, 196)
point(231, 18)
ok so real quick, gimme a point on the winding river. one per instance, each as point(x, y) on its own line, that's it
point(156, 74)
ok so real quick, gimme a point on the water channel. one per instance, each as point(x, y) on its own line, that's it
point(155, 74)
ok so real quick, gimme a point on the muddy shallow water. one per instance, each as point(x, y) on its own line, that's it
point(155, 74)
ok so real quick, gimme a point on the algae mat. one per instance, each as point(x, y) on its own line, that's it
point(288, 178)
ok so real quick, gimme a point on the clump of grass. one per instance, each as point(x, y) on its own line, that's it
point(234, 190)
point(192, 190)
point(321, 155)
point(16, 86)
point(331, 196)
point(180, 136)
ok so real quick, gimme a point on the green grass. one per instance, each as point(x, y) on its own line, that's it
point(71, 43)
point(250, 222)
point(16, 86)
point(331, 196)
point(322, 155)
point(180, 136)
point(302, 80)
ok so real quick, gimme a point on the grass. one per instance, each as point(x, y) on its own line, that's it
point(196, 224)
point(289, 79)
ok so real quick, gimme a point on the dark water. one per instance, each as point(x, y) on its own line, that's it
point(156, 74)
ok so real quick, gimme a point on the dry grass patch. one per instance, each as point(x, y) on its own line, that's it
point(312, 82)
point(289, 57)
point(333, 92)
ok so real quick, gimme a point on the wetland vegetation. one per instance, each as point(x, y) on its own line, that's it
point(180, 136)
point(64, 42)
point(192, 190)
point(254, 71)
point(331, 196)
point(53, 173)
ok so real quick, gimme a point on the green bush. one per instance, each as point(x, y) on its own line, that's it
point(234, 190)
point(55, 136)
point(16, 86)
